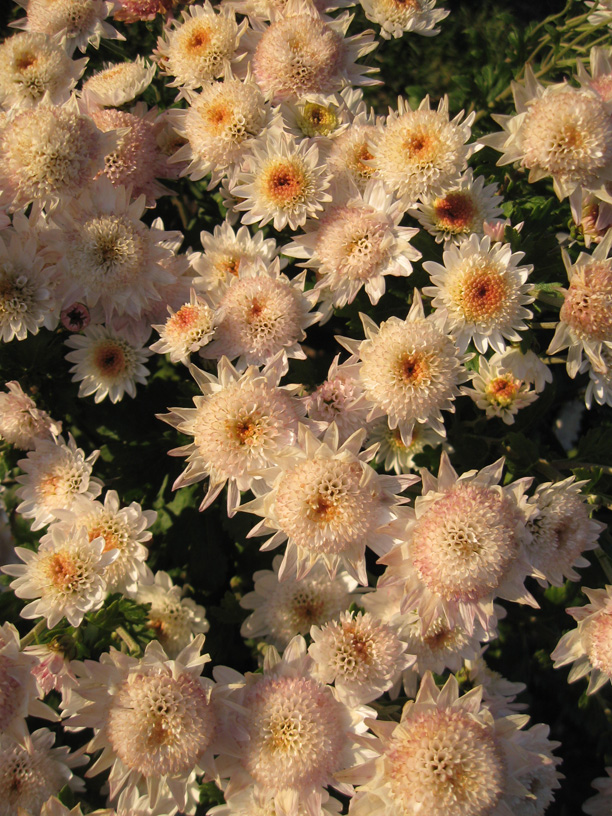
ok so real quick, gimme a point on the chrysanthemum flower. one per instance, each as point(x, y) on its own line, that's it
point(396, 17)
point(118, 83)
point(526, 366)
point(53, 807)
point(55, 473)
point(239, 425)
point(132, 11)
point(175, 619)
point(281, 182)
point(339, 399)
point(52, 671)
point(313, 117)
point(251, 802)
point(21, 422)
point(329, 504)
point(283, 609)
point(350, 157)
point(81, 22)
point(32, 66)
point(421, 152)
point(355, 245)
point(600, 804)
point(186, 330)
point(589, 645)
point(393, 452)
point(497, 391)
point(481, 293)
point(600, 380)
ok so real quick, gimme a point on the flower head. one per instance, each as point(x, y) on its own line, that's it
point(186, 330)
point(497, 391)
point(81, 22)
point(21, 422)
point(396, 17)
point(393, 452)
point(118, 83)
point(339, 399)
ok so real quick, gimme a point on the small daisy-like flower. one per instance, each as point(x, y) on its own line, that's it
point(497, 391)
point(481, 293)
point(21, 422)
point(358, 654)
point(55, 473)
point(355, 245)
point(393, 452)
point(239, 425)
point(558, 131)
point(32, 65)
point(261, 314)
point(106, 363)
point(200, 47)
point(339, 399)
point(81, 22)
point(526, 366)
point(586, 315)
point(396, 17)
point(186, 330)
point(589, 645)
point(410, 370)
point(311, 118)
point(283, 609)
point(461, 210)
point(175, 619)
point(281, 182)
point(329, 504)
point(561, 532)
point(118, 83)
point(350, 157)
point(601, 803)
point(155, 719)
point(31, 773)
point(421, 152)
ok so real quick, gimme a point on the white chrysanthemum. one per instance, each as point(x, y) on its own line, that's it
point(118, 83)
point(106, 254)
point(561, 532)
point(350, 157)
point(200, 46)
point(52, 670)
point(53, 807)
point(186, 330)
point(393, 453)
point(339, 399)
point(481, 293)
point(283, 609)
point(589, 645)
point(558, 131)
point(599, 387)
point(314, 117)
point(329, 505)
point(54, 475)
point(461, 210)
point(396, 17)
point(21, 422)
point(358, 654)
point(526, 366)
point(239, 425)
point(497, 391)
point(262, 313)
point(600, 77)
point(81, 22)
point(48, 153)
point(32, 66)
point(355, 245)
point(281, 182)
point(410, 370)
point(586, 315)
point(155, 720)
point(250, 802)
point(463, 548)
point(65, 576)
point(175, 619)
point(421, 152)
point(601, 803)
point(31, 773)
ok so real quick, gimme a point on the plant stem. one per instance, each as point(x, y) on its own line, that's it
point(33, 634)
point(128, 640)
point(570, 464)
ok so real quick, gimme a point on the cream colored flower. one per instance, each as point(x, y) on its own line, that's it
point(118, 83)
point(80, 22)
point(497, 391)
point(396, 17)
point(21, 422)
point(186, 330)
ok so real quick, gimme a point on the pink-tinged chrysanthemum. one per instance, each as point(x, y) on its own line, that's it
point(32, 66)
point(281, 182)
point(65, 577)
point(55, 473)
point(561, 531)
point(339, 399)
point(600, 380)
point(350, 157)
point(421, 152)
point(396, 17)
point(52, 671)
point(600, 77)
point(118, 83)
point(21, 422)
point(283, 609)
point(558, 131)
point(499, 694)
point(251, 802)
point(601, 803)
point(53, 807)
point(329, 505)
point(295, 735)
point(200, 46)
point(175, 619)
point(355, 245)
point(106, 363)
point(79, 22)
point(395, 454)
point(32, 772)
point(592, 216)
point(155, 719)
point(481, 292)
point(586, 315)
point(448, 755)
point(459, 211)
point(589, 645)
point(359, 654)
point(463, 548)
point(239, 425)
point(262, 313)
point(106, 254)
point(496, 390)
point(186, 330)
point(410, 370)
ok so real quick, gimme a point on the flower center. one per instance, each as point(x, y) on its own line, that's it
point(25, 61)
point(481, 293)
point(63, 572)
point(455, 212)
point(199, 40)
point(503, 390)
point(413, 369)
point(599, 642)
point(285, 183)
point(109, 358)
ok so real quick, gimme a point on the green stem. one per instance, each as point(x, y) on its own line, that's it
point(128, 640)
point(571, 464)
point(33, 634)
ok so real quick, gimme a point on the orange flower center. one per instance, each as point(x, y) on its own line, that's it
point(62, 570)
point(413, 369)
point(285, 183)
point(484, 294)
point(455, 212)
point(109, 359)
